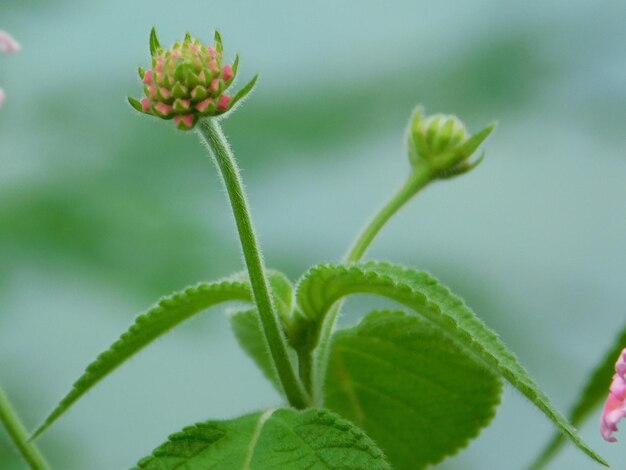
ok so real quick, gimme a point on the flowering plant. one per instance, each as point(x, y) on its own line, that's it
point(405, 388)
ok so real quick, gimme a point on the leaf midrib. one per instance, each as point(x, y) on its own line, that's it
point(255, 437)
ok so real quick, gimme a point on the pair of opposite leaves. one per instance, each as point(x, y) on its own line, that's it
point(395, 375)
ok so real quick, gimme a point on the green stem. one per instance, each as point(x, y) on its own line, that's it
point(212, 133)
point(306, 365)
point(18, 435)
point(419, 178)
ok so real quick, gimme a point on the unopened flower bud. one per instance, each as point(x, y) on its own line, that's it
point(443, 143)
point(187, 82)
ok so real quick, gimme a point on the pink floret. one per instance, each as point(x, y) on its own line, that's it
point(615, 406)
point(163, 109)
point(186, 120)
point(227, 72)
point(147, 78)
point(223, 102)
point(203, 105)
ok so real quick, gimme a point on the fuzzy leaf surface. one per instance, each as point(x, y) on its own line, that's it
point(324, 285)
point(283, 439)
point(246, 326)
point(410, 388)
point(594, 393)
point(165, 315)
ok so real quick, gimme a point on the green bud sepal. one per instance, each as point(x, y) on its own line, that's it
point(442, 143)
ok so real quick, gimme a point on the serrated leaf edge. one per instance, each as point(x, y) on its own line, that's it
point(471, 436)
point(102, 366)
point(515, 375)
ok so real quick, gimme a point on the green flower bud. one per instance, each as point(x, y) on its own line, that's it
point(443, 143)
point(188, 82)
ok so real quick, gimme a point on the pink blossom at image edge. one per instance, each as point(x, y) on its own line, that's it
point(615, 405)
point(8, 45)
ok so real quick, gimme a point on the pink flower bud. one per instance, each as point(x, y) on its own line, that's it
point(615, 405)
point(223, 103)
point(227, 72)
point(187, 82)
point(2, 96)
point(184, 122)
point(147, 78)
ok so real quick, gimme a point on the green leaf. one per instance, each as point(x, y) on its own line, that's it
point(282, 292)
point(246, 326)
point(135, 104)
point(472, 144)
point(324, 285)
point(168, 313)
point(410, 388)
point(219, 47)
point(235, 69)
point(244, 91)
point(594, 393)
point(154, 42)
point(462, 168)
point(282, 439)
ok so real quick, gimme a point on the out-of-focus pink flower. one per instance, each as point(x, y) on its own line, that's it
point(615, 405)
point(8, 45)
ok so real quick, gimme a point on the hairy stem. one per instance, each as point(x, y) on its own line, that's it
point(419, 178)
point(17, 432)
point(306, 364)
point(212, 134)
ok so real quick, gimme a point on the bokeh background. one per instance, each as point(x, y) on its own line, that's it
point(102, 211)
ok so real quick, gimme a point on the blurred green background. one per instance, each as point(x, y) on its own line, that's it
point(102, 211)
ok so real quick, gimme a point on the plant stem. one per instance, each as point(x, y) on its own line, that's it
point(419, 178)
point(18, 435)
point(212, 133)
point(306, 364)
